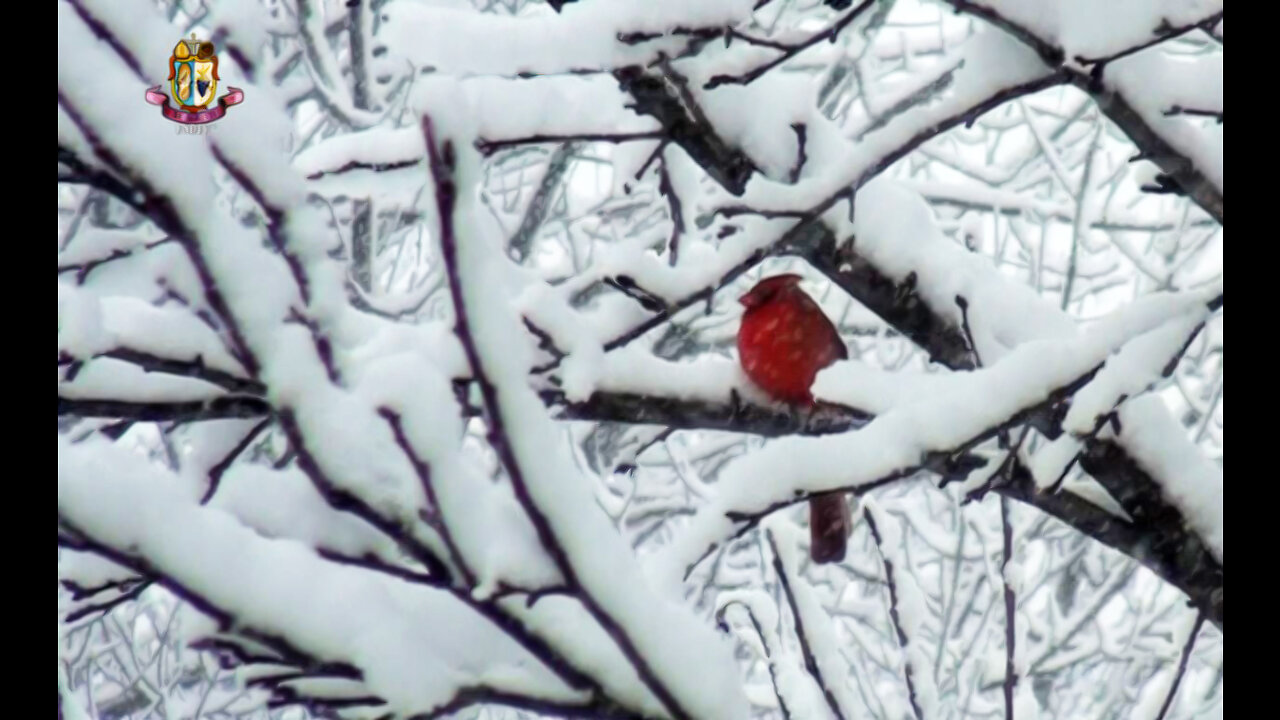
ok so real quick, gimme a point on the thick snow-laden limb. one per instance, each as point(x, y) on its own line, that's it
point(282, 503)
point(395, 476)
point(995, 67)
point(349, 450)
point(1190, 156)
point(1074, 27)
point(663, 642)
point(732, 413)
point(92, 325)
point(508, 111)
point(1159, 86)
point(1001, 315)
point(894, 231)
point(1186, 478)
point(1128, 373)
point(281, 588)
point(971, 407)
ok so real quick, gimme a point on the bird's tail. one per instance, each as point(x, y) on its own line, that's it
point(828, 528)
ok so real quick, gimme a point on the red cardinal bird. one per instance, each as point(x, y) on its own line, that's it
point(783, 342)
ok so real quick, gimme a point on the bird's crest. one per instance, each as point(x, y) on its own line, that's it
point(766, 289)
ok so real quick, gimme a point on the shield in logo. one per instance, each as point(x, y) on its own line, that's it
point(193, 74)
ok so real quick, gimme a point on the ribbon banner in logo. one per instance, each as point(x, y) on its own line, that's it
point(156, 97)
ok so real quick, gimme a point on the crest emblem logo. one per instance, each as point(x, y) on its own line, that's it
point(193, 82)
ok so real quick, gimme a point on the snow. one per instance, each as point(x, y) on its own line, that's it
point(1004, 314)
point(95, 243)
point(580, 37)
point(986, 196)
point(284, 504)
point(1001, 313)
point(795, 686)
point(635, 370)
point(913, 612)
point(568, 627)
point(992, 62)
point(80, 326)
point(1154, 82)
point(872, 389)
point(1156, 690)
point(252, 549)
point(1075, 28)
point(694, 665)
point(376, 146)
point(425, 647)
point(88, 570)
point(757, 117)
point(897, 440)
point(819, 629)
point(118, 380)
point(508, 109)
point(69, 707)
point(1188, 479)
point(1128, 373)
point(495, 539)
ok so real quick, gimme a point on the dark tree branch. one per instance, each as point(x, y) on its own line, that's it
point(81, 592)
point(218, 408)
point(274, 218)
point(432, 515)
point(675, 208)
point(953, 462)
point(1182, 666)
point(788, 51)
point(217, 471)
point(667, 99)
point(806, 234)
point(363, 251)
point(806, 651)
point(1010, 610)
point(682, 414)
point(896, 301)
point(768, 654)
point(194, 368)
point(626, 285)
point(802, 137)
point(370, 166)
point(84, 173)
point(441, 162)
point(1171, 549)
point(489, 147)
point(106, 606)
point(1115, 106)
point(903, 642)
point(1177, 166)
point(1162, 33)
point(359, 62)
point(137, 192)
point(82, 269)
point(103, 33)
